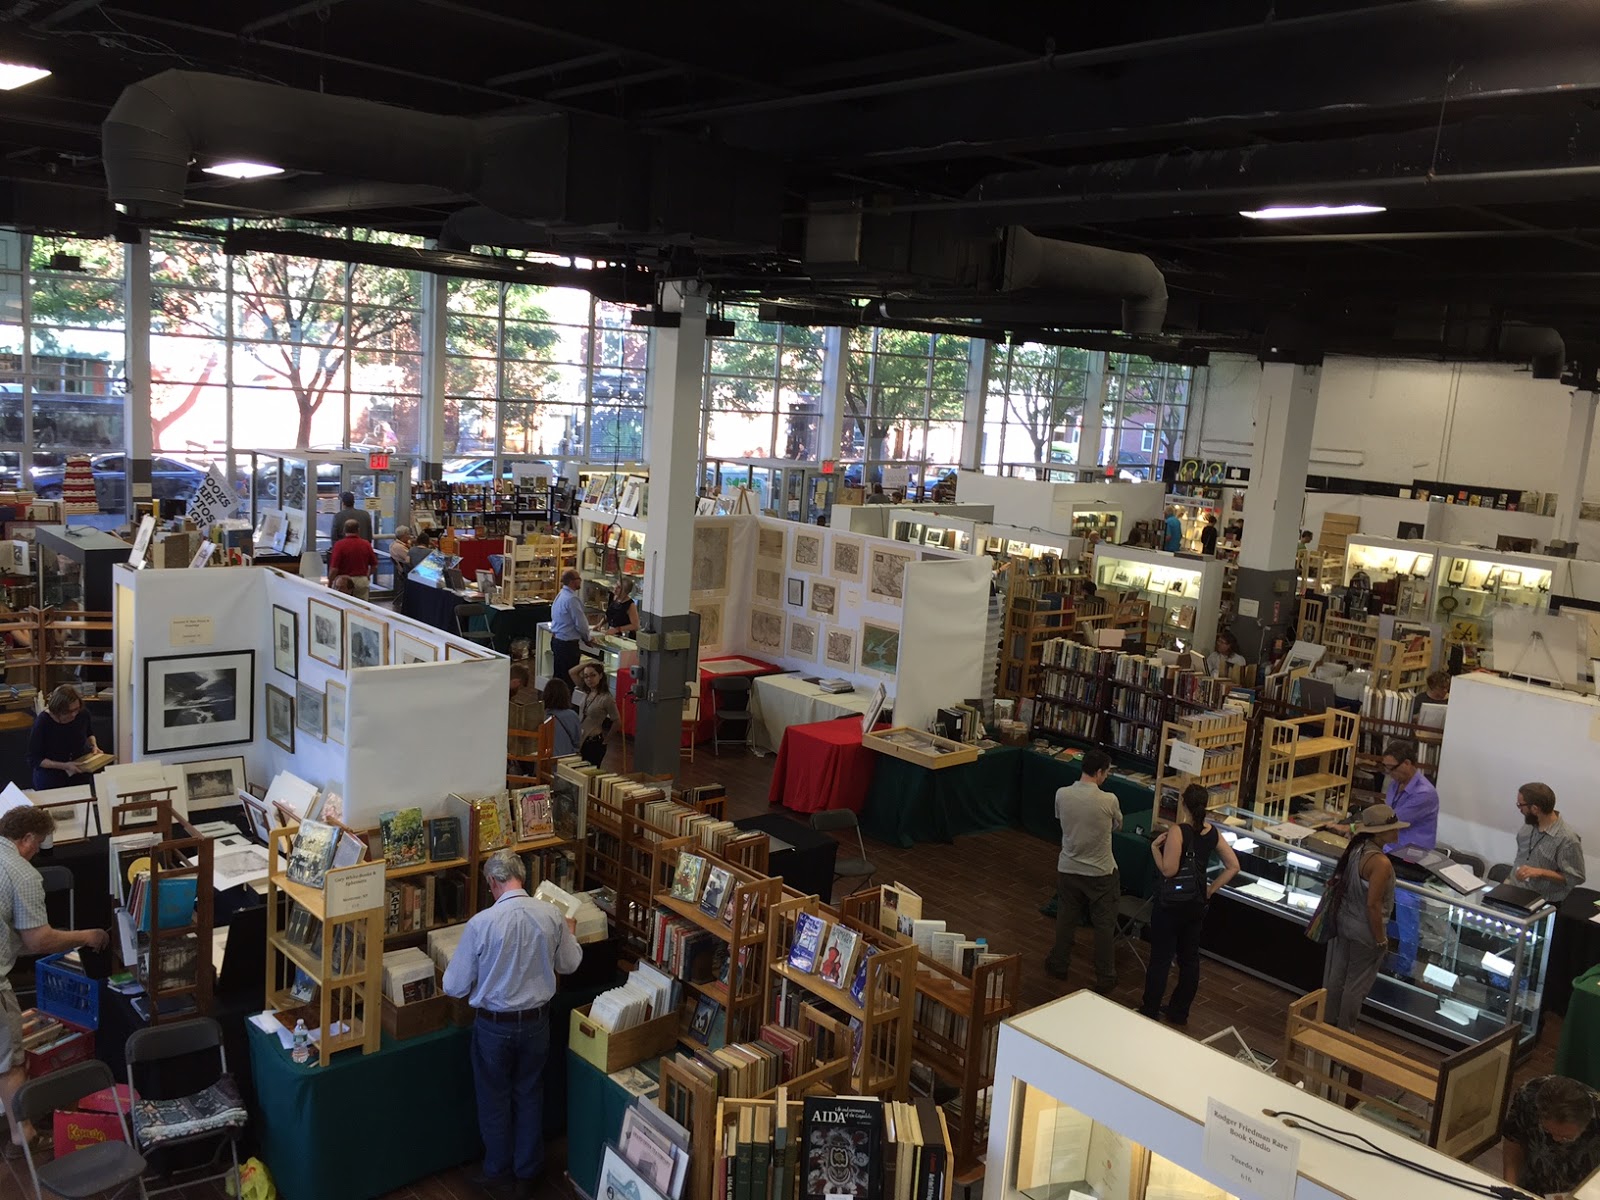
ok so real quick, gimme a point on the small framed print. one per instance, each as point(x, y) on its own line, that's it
point(309, 710)
point(325, 634)
point(286, 641)
point(368, 640)
point(797, 592)
point(337, 715)
point(409, 648)
point(1510, 578)
point(1458, 571)
point(454, 653)
point(280, 717)
point(212, 782)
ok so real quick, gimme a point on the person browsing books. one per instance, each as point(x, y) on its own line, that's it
point(1086, 872)
point(558, 709)
point(569, 625)
point(61, 734)
point(25, 929)
point(353, 557)
point(1436, 692)
point(506, 966)
point(1551, 1138)
point(1416, 805)
point(1549, 857)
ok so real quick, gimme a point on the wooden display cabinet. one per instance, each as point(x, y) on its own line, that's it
point(23, 663)
point(349, 981)
point(70, 639)
point(1221, 737)
point(1326, 743)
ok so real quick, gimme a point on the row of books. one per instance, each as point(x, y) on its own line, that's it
point(409, 976)
point(1068, 722)
point(760, 1161)
point(1138, 706)
point(41, 1031)
point(174, 901)
point(514, 816)
point(748, 1069)
point(667, 818)
point(680, 947)
point(830, 953)
point(1142, 741)
point(646, 994)
point(945, 1023)
point(412, 905)
point(1081, 689)
point(1204, 724)
point(707, 885)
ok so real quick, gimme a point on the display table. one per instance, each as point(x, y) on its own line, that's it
point(822, 765)
point(437, 607)
point(1042, 775)
point(475, 554)
point(780, 701)
point(710, 668)
point(318, 1127)
point(805, 863)
point(908, 803)
point(595, 1107)
point(1578, 1056)
point(1574, 947)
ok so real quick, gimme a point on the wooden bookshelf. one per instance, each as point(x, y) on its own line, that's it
point(1349, 640)
point(63, 645)
point(1038, 607)
point(1402, 664)
point(1221, 737)
point(1310, 758)
point(23, 664)
point(349, 984)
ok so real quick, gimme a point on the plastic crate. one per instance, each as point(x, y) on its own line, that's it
point(46, 1060)
point(70, 995)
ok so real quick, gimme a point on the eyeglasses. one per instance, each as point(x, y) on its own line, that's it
point(1390, 768)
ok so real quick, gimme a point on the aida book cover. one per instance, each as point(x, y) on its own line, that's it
point(843, 1147)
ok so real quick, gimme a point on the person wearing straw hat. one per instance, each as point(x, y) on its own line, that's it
point(1362, 893)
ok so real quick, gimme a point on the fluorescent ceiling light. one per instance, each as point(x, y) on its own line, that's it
point(15, 75)
point(242, 169)
point(1289, 212)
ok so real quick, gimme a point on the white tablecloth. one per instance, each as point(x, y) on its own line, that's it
point(780, 701)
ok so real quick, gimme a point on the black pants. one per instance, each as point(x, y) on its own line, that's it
point(566, 655)
point(1174, 931)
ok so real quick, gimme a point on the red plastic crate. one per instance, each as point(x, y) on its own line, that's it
point(45, 1060)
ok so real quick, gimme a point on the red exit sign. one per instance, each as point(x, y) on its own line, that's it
point(378, 461)
point(827, 467)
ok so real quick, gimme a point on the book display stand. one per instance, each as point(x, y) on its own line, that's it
point(172, 960)
point(1326, 742)
point(1220, 738)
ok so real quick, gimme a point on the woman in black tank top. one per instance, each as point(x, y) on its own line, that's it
point(622, 614)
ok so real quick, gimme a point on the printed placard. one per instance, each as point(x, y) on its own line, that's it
point(1246, 1153)
point(191, 631)
point(354, 890)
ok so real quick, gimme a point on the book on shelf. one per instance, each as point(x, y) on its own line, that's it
point(922, 931)
point(404, 837)
point(688, 877)
point(858, 981)
point(945, 948)
point(717, 891)
point(842, 1151)
point(532, 813)
point(444, 839)
point(807, 944)
point(838, 956)
point(649, 1141)
point(312, 853)
point(898, 906)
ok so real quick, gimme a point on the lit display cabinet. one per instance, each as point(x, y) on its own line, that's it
point(305, 485)
point(1093, 1099)
point(936, 532)
point(1106, 523)
point(1402, 572)
point(1472, 585)
point(1184, 593)
point(1478, 968)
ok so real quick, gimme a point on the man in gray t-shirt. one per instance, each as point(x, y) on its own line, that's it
point(1086, 872)
point(1549, 857)
point(25, 928)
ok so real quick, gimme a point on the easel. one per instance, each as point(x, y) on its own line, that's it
point(1536, 642)
point(741, 501)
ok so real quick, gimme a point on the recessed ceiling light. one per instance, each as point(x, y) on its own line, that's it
point(15, 75)
point(1289, 212)
point(242, 169)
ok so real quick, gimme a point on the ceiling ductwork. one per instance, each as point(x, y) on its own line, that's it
point(555, 169)
point(1544, 349)
point(1035, 263)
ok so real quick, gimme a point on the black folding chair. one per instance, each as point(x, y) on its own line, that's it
point(103, 1167)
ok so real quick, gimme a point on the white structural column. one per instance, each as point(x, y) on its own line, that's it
point(1092, 437)
point(137, 426)
point(1574, 465)
point(830, 418)
point(435, 297)
point(1286, 410)
point(972, 424)
point(673, 392)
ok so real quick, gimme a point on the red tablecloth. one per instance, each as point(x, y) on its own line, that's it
point(752, 668)
point(822, 765)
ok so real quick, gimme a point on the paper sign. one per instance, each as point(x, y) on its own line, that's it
point(212, 501)
point(1181, 756)
point(370, 504)
point(894, 477)
point(355, 890)
point(202, 556)
point(1249, 608)
point(1249, 1153)
point(192, 631)
point(141, 542)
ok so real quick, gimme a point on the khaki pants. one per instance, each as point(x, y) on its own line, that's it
point(362, 585)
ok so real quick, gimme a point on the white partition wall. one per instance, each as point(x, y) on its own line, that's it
point(941, 661)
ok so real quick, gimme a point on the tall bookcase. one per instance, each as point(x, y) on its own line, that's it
point(1307, 758)
point(348, 967)
point(1220, 737)
point(1038, 607)
point(64, 644)
point(532, 569)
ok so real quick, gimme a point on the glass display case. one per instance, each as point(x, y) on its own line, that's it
point(1184, 593)
point(303, 487)
point(936, 531)
point(1472, 585)
point(1477, 967)
point(1105, 523)
point(1401, 572)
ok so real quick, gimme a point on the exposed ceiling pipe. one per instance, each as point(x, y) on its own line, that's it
point(1033, 263)
point(1543, 347)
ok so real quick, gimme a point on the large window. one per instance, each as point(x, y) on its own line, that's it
point(1146, 409)
point(1034, 407)
point(904, 403)
point(542, 371)
point(763, 391)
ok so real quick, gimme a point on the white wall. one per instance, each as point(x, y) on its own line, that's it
point(1032, 503)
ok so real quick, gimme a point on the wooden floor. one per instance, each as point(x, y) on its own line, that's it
point(996, 882)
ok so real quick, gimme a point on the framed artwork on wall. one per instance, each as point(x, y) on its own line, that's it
point(192, 701)
point(325, 633)
point(337, 703)
point(286, 641)
point(280, 717)
point(797, 592)
point(368, 640)
point(807, 551)
point(310, 706)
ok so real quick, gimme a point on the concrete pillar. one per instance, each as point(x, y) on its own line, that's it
point(1094, 412)
point(138, 430)
point(1574, 465)
point(972, 410)
point(666, 654)
point(1285, 413)
point(830, 406)
point(435, 294)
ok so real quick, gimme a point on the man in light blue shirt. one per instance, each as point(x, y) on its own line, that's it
point(1416, 802)
point(569, 625)
point(506, 965)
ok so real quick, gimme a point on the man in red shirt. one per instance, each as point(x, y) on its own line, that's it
point(353, 555)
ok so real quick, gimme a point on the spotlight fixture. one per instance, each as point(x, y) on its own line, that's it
point(242, 169)
point(1291, 212)
point(15, 75)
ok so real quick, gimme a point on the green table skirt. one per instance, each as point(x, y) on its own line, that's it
point(907, 803)
point(1578, 1056)
point(365, 1125)
point(595, 1107)
point(1043, 775)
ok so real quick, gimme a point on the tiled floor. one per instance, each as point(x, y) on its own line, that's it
point(996, 882)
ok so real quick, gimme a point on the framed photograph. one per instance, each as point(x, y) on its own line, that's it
point(409, 648)
point(1492, 579)
point(255, 809)
point(212, 782)
point(1511, 577)
point(280, 717)
point(336, 704)
point(797, 592)
point(192, 701)
point(285, 641)
point(1458, 571)
point(310, 715)
point(325, 633)
point(454, 653)
point(368, 640)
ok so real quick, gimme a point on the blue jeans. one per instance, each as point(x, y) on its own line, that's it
point(1408, 925)
point(508, 1074)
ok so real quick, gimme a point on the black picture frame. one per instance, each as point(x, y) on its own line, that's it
point(217, 689)
point(277, 697)
point(286, 618)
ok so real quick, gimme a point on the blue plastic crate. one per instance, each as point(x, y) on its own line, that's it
point(67, 994)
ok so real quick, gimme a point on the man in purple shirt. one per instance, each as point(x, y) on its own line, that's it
point(1414, 800)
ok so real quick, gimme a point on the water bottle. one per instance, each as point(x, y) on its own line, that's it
point(302, 1043)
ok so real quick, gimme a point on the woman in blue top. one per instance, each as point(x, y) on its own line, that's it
point(61, 733)
point(558, 708)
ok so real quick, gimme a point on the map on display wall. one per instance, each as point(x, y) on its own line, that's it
point(709, 566)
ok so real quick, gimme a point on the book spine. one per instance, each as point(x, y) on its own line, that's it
point(745, 1157)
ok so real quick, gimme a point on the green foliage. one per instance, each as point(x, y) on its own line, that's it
point(894, 378)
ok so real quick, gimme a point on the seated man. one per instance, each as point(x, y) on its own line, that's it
point(1552, 1136)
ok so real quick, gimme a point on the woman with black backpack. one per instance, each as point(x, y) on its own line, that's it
point(1182, 855)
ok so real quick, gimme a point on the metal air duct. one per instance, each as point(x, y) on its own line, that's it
point(1543, 347)
point(1032, 262)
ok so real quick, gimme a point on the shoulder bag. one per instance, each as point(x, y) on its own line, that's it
point(1186, 885)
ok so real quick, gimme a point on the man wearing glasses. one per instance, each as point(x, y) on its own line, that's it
point(1414, 801)
point(1549, 853)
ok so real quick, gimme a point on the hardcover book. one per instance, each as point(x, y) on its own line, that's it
point(686, 882)
point(718, 883)
point(838, 956)
point(444, 839)
point(403, 837)
point(534, 818)
point(858, 983)
point(313, 853)
point(808, 930)
point(843, 1147)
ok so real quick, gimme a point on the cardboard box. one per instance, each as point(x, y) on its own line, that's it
point(626, 1047)
point(402, 1021)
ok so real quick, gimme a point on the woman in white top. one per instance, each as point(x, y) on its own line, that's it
point(1225, 657)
